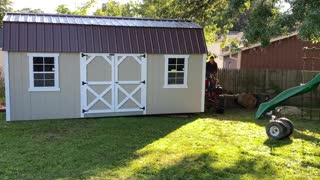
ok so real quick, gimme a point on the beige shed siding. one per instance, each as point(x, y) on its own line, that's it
point(173, 100)
point(65, 103)
point(27, 105)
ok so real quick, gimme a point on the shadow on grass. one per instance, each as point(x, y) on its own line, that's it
point(244, 115)
point(205, 166)
point(76, 149)
point(306, 137)
point(272, 143)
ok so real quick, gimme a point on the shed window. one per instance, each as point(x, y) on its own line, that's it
point(176, 71)
point(43, 72)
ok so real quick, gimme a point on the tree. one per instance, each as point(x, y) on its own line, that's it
point(81, 10)
point(207, 13)
point(267, 20)
point(114, 8)
point(5, 6)
point(62, 9)
point(261, 19)
point(29, 10)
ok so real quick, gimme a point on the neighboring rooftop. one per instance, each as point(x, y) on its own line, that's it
point(99, 20)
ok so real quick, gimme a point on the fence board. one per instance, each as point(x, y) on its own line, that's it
point(267, 81)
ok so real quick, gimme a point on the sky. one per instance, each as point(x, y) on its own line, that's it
point(49, 6)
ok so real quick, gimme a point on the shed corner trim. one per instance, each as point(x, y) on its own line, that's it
point(7, 85)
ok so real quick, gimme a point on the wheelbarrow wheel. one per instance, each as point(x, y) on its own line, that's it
point(276, 129)
point(289, 126)
point(220, 104)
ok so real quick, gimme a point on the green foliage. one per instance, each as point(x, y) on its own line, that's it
point(62, 9)
point(206, 146)
point(207, 13)
point(261, 20)
point(81, 10)
point(263, 23)
point(29, 10)
point(5, 6)
point(115, 8)
point(234, 46)
point(267, 20)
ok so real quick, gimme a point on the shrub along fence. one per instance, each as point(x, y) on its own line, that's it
point(270, 82)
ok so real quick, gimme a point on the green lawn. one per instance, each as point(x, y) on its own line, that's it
point(232, 146)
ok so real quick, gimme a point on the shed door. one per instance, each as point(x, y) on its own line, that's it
point(112, 83)
point(130, 83)
point(97, 88)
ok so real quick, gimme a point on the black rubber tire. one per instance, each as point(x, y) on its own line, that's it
point(276, 129)
point(289, 126)
point(220, 104)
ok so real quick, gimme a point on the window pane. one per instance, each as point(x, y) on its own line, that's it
point(180, 75)
point(49, 68)
point(38, 76)
point(171, 81)
point(179, 81)
point(49, 76)
point(49, 60)
point(38, 83)
point(38, 68)
point(180, 61)
point(180, 67)
point(172, 61)
point(37, 60)
point(172, 68)
point(172, 75)
point(49, 83)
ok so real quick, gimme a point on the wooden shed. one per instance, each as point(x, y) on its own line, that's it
point(284, 52)
point(67, 66)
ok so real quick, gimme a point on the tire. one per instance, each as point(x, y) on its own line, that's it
point(276, 129)
point(220, 104)
point(289, 126)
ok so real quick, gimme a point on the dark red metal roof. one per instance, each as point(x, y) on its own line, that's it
point(61, 33)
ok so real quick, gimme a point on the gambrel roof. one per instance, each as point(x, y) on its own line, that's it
point(97, 34)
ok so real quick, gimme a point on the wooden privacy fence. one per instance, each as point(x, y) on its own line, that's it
point(267, 81)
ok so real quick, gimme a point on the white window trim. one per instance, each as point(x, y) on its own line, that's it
point(186, 63)
point(56, 72)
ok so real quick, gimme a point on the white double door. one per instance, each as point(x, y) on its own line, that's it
point(112, 83)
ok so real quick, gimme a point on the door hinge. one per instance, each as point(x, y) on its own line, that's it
point(143, 82)
point(83, 83)
point(83, 55)
point(84, 111)
point(143, 55)
point(143, 108)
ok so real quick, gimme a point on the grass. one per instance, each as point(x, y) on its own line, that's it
point(230, 146)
